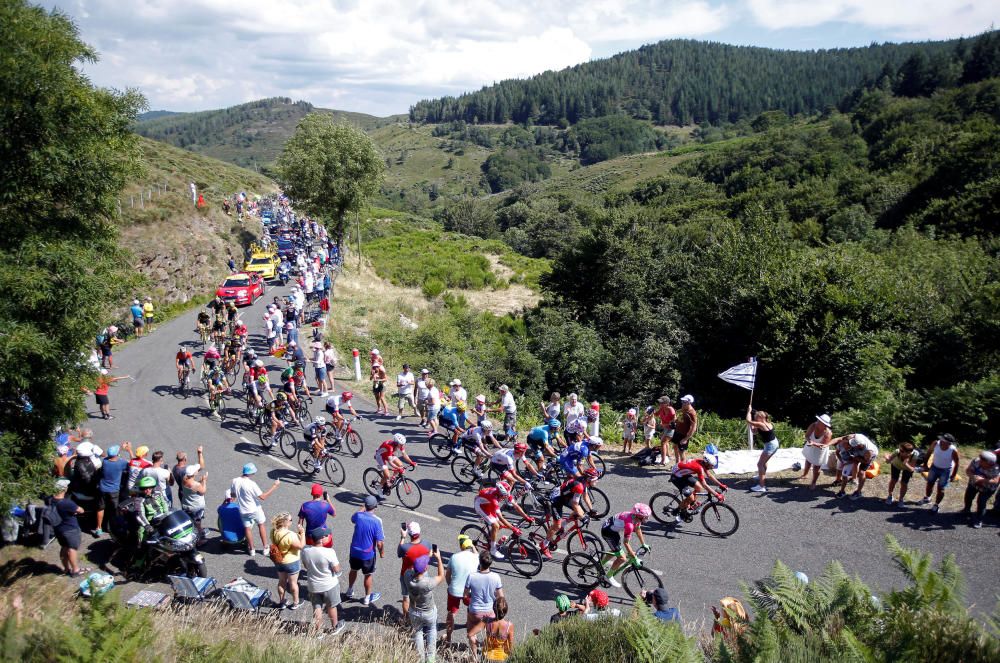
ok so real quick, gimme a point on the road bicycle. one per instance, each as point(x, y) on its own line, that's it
point(217, 404)
point(347, 437)
point(267, 440)
point(586, 571)
point(184, 383)
point(203, 335)
point(468, 473)
point(519, 550)
point(535, 502)
point(717, 517)
point(578, 537)
point(407, 491)
point(311, 464)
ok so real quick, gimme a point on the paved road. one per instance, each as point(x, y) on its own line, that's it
point(804, 529)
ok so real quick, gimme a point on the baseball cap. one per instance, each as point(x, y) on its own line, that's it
point(413, 529)
point(316, 491)
point(319, 533)
point(687, 398)
point(504, 387)
point(464, 542)
point(113, 450)
point(85, 450)
point(62, 484)
point(424, 371)
point(421, 563)
point(191, 470)
point(249, 468)
point(371, 502)
point(660, 597)
point(141, 451)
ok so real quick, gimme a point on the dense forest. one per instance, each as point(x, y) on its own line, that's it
point(682, 82)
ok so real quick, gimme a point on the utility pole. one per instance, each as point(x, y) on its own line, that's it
point(357, 216)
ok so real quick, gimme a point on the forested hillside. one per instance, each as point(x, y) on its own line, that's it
point(682, 82)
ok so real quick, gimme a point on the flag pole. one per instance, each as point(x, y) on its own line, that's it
point(749, 427)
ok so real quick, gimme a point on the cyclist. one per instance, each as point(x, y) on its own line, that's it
point(241, 332)
point(276, 409)
point(232, 313)
point(288, 385)
point(249, 359)
point(219, 331)
point(504, 463)
point(204, 320)
point(217, 305)
point(487, 504)
point(474, 437)
point(691, 477)
point(573, 494)
point(315, 435)
point(333, 405)
point(575, 453)
point(233, 352)
point(453, 419)
point(538, 442)
point(210, 359)
point(624, 525)
point(184, 361)
point(386, 461)
point(258, 382)
point(216, 385)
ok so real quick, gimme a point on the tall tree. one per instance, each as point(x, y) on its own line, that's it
point(67, 152)
point(330, 169)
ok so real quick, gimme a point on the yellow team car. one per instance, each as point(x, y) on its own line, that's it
point(265, 264)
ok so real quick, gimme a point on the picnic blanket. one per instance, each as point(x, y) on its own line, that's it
point(745, 461)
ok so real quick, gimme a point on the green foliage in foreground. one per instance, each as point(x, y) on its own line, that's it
point(68, 151)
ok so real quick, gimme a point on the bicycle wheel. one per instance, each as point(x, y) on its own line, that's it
point(354, 443)
point(599, 500)
point(264, 434)
point(720, 519)
point(524, 556)
point(440, 446)
point(599, 463)
point(532, 505)
point(582, 570)
point(335, 471)
point(306, 461)
point(234, 373)
point(480, 538)
point(464, 471)
point(302, 409)
point(287, 443)
point(591, 543)
point(372, 479)
point(637, 579)
point(408, 493)
point(665, 507)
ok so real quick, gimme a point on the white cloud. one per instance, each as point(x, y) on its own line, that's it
point(905, 19)
point(380, 56)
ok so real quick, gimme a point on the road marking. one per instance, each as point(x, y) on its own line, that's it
point(415, 513)
point(274, 458)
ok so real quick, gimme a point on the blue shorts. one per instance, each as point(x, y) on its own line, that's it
point(320, 372)
point(941, 476)
point(432, 411)
point(291, 568)
point(771, 447)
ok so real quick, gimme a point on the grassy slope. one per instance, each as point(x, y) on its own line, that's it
point(181, 249)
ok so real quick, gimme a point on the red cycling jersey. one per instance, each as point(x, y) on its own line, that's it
point(491, 498)
point(184, 357)
point(688, 468)
point(387, 449)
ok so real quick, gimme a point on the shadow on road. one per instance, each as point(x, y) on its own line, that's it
point(458, 512)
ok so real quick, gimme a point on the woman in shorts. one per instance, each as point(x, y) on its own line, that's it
point(760, 423)
point(902, 465)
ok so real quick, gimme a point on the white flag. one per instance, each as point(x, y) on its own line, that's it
point(743, 375)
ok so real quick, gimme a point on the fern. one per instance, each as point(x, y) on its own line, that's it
point(941, 589)
point(653, 641)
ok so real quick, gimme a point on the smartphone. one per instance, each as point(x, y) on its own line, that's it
point(326, 496)
point(402, 525)
point(434, 548)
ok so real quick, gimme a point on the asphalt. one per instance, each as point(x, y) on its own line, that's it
point(804, 529)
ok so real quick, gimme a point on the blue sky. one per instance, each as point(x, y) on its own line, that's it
point(381, 56)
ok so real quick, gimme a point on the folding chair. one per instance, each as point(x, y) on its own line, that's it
point(192, 589)
point(244, 595)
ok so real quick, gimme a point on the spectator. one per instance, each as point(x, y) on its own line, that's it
point(629, 426)
point(248, 497)
point(423, 394)
point(322, 569)
point(113, 470)
point(61, 459)
point(816, 449)
point(408, 550)
point(106, 340)
point(685, 426)
point(84, 474)
point(164, 477)
point(861, 453)
point(760, 423)
point(67, 529)
point(378, 378)
point(499, 634)
point(509, 407)
point(330, 359)
point(665, 419)
point(458, 393)
point(657, 600)
point(564, 608)
point(104, 383)
point(433, 406)
point(942, 463)
point(284, 552)
point(148, 313)
point(137, 322)
point(461, 565)
point(984, 475)
point(595, 606)
point(368, 536)
point(179, 469)
point(136, 464)
point(423, 617)
point(648, 422)
point(313, 513)
point(553, 408)
point(573, 409)
point(481, 591)
point(902, 466)
point(191, 493)
point(405, 383)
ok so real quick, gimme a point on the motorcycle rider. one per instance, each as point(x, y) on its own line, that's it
point(152, 508)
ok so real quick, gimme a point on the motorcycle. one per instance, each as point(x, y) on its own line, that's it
point(172, 544)
point(284, 273)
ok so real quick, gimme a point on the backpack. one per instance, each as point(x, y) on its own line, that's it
point(50, 514)
point(101, 338)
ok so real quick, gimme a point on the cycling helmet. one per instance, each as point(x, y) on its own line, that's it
point(591, 473)
point(251, 352)
point(520, 447)
point(400, 439)
point(320, 420)
point(562, 603)
point(146, 482)
point(503, 487)
point(595, 441)
point(641, 510)
point(259, 363)
point(281, 396)
point(262, 379)
point(346, 396)
point(181, 348)
point(988, 457)
point(712, 449)
point(575, 427)
point(460, 406)
point(710, 461)
point(554, 423)
point(487, 425)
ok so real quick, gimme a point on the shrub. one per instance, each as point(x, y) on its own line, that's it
point(432, 287)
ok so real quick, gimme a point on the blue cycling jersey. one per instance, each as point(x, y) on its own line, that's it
point(572, 455)
point(539, 435)
point(450, 417)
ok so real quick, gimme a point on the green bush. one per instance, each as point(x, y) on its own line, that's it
point(432, 287)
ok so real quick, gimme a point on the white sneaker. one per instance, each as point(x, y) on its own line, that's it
point(324, 394)
point(497, 554)
point(614, 582)
point(398, 417)
point(253, 552)
point(757, 488)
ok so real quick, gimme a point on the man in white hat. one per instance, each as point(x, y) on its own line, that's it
point(458, 393)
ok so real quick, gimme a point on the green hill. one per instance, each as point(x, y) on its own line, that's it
point(681, 81)
point(248, 135)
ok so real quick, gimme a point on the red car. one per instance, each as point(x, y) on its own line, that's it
point(242, 288)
